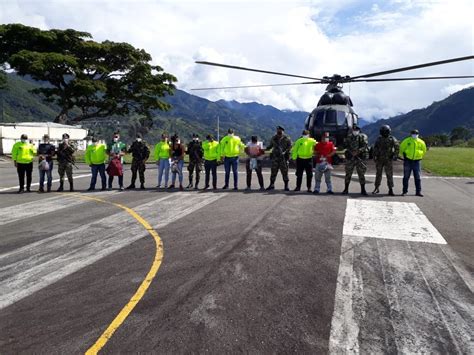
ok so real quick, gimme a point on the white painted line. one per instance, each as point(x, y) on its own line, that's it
point(389, 220)
point(397, 296)
point(42, 206)
point(37, 183)
point(423, 177)
point(32, 267)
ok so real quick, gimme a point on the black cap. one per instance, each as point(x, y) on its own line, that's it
point(209, 137)
point(65, 136)
point(415, 131)
point(230, 130)
point(46, 136)
point(94, 139)
point(24, 136)
point(280, 128)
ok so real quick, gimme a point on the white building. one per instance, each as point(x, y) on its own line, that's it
point(10, 133)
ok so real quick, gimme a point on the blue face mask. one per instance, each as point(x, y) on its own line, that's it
point(415, 136)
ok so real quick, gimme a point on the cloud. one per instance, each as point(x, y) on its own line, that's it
point(312, 38)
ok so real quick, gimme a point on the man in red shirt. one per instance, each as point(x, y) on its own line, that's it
point(323, 152)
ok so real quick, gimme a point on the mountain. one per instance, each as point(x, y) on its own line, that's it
point(193, 114)
point(189, 114)
point(439, 117)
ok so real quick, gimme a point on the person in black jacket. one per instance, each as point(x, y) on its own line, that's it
point(46, 151)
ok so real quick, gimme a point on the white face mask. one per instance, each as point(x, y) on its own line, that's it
point(116, 139)
point(24, 140)
point(178, 141)
point(139, 139)
point(326, 139)
point(65, 140)
point(306, 136)
point(355, 133)
point(414, 136)
point(195, 139)
point(230, 134)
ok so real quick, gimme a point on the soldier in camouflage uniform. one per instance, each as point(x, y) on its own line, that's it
point(65, 156)
point(281, 146)
point(195, 153)
point(357, 151)
point(385, 151)
point(140, 154)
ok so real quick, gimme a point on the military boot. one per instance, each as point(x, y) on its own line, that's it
point(362, 190)
point(376, 191)
point(287, 188)
point(71, 186)
point(130, 187)
point(346, 189)
point(271, 187)
point(142, 186)
point(61, 187)
point(390, 192)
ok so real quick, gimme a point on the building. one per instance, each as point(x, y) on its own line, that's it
point(10, 134)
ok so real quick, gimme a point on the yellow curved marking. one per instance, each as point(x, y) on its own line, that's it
point(123, 314)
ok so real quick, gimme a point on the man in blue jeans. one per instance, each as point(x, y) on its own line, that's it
point(96, 157)
point(412, 149)
point(46, 152)
point(231, 146)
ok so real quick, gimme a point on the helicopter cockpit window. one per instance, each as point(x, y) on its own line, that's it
point(341, 118)
point(331, 118)
point(318, 122)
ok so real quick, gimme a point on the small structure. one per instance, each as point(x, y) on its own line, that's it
point(10, 133)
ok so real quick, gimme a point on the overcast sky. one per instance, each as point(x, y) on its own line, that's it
point(311, 38)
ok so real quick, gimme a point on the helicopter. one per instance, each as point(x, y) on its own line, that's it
point(334, 112)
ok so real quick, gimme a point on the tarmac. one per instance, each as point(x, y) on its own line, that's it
point(224, 271)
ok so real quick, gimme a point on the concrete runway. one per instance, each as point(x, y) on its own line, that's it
point(253, 272)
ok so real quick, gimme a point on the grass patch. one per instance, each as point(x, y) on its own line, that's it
point(452, 161)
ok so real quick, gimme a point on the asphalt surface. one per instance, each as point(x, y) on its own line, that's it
point(253, 272)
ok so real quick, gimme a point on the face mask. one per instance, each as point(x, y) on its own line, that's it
point(355, 133)
point(23, 140)
point(65, 140)
point(306, 136)
point(326, 139)
point(116, 139)
point(195, 139)
point(139, 139)
point(178, 141)
point(95, 143)
point(414, 136)
point(230, 134)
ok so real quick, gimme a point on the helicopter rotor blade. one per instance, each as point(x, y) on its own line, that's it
point(414, 67)
point(258, 86)
point(420, 78)
point(255, 70)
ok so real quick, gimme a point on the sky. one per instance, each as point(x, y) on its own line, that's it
point(311, 38)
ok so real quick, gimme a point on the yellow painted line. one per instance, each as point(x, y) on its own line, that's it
point(128, 308)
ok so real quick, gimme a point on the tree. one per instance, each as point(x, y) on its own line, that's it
point(460, 133)
point(85, 78)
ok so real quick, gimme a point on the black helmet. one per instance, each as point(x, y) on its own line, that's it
point(385, 130)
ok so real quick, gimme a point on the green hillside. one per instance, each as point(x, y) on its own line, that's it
point(438, 118)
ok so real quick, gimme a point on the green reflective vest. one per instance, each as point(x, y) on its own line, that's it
point(162, 150)
point(303, 148)
point(96, 154)
point(231, 146)
point(211, 150)
point(23, 153)
point(413, 148)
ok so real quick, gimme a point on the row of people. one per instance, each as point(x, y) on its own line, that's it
point(308, 154)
